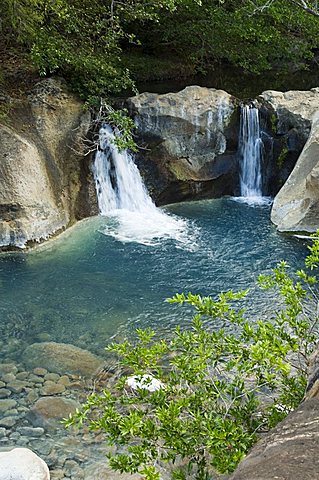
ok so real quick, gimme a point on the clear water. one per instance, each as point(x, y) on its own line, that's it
point(88, 286)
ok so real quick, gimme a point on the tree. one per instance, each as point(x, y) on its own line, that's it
point(96, 45)
point(309, 7)
point(242, 33)
point(81, 39)
point(199, 399)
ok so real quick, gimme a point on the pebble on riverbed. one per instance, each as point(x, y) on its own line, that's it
point(33, 402)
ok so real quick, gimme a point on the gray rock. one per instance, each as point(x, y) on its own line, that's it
point(42, 446)
point(296, 206)
point(8, 368)
point(32, 396)
point(12, 411)
point(52, 388)
point(62, 358)
point(57, 474)
point(192, 136)
point(17, 386)
point(53, 377)
point(73, 470)
point(4, 393)
point(36, 379)
point(22, 409)
point(23, 442)
point(8, 377)
point(40, 372)
point(3, 432)
point(31, 431)
point(7, 404)
point(22, 375)
point(22, 464)
point(8, 422)
point(64, 380)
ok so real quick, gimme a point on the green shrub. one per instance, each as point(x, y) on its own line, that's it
point(202, 397)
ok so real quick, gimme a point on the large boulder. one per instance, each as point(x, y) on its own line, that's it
point(289, 452)
point(191, 139)
point(22, 464)
point(44, 183)
point(296, 206)
point(62, 358)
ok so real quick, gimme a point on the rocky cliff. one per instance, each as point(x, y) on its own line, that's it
point(190, 141)
point(296, 206)
point(42, 189)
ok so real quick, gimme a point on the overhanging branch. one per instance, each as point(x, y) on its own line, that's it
point(305, 6)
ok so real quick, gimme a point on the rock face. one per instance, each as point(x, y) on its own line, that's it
point(42, 189)
point(22, 464)
point(296, 206)
point(62, 358)
point(289, 452)
point(192, 136)
point(29, 209)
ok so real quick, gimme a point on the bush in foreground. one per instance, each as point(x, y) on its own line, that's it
point(199, 400)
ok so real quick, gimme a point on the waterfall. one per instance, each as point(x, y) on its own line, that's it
point(117, 179)
point(123, 199)
point(250, 153)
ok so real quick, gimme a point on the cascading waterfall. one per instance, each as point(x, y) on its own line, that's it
point(251, 154)
point(123, 198)
point(118, 181)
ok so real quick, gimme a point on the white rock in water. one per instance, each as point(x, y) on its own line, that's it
point(144, 381)
point(22, 464)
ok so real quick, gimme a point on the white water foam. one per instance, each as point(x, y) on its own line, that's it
point(254, 201)
point(123, 198)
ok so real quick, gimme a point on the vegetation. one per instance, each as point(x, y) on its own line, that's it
point(99, 46)
point(282, 157)
point(199, 399)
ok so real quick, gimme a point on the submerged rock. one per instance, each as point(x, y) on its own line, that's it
point(102, 471)
point(62, 358)
point(48, 411)
point(192, 136)
point(22, 464)
point(296, 206)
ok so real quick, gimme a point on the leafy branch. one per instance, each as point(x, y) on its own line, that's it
point(198, 400)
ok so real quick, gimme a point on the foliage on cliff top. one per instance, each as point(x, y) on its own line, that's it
point(89, 42)
point(199, 399)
